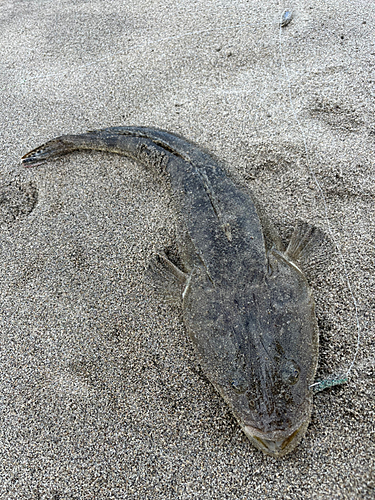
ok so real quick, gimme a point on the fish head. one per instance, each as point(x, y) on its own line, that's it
point(272, 402)
point(274, 411)
point(258, 345)
point(276, 360)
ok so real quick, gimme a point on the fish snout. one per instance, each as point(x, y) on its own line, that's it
point(278, 446)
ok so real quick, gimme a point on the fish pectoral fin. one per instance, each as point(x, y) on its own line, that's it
point(166, 276)
point(310, 247)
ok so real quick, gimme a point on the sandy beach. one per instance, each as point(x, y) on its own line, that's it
point(102, 396)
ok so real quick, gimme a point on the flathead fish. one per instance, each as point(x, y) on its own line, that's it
point(247, 305)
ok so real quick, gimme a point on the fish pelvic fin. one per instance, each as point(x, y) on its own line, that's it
point(166, 277)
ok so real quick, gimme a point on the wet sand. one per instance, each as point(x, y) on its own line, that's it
point(101, 393)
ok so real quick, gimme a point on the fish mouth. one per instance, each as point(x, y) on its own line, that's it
point(276, 447)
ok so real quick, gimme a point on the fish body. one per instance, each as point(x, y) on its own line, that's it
point(246, 303)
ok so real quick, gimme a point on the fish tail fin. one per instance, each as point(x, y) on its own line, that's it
point(139, 143)
point(110, 140)
point(51, 149)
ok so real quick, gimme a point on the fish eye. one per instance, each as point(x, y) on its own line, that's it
point(290, 372)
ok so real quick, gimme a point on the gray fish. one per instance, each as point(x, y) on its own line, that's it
point(246, 302)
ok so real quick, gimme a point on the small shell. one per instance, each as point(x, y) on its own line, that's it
point(286, 18)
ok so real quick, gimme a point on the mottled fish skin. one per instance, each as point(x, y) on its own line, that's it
point(247, 307)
